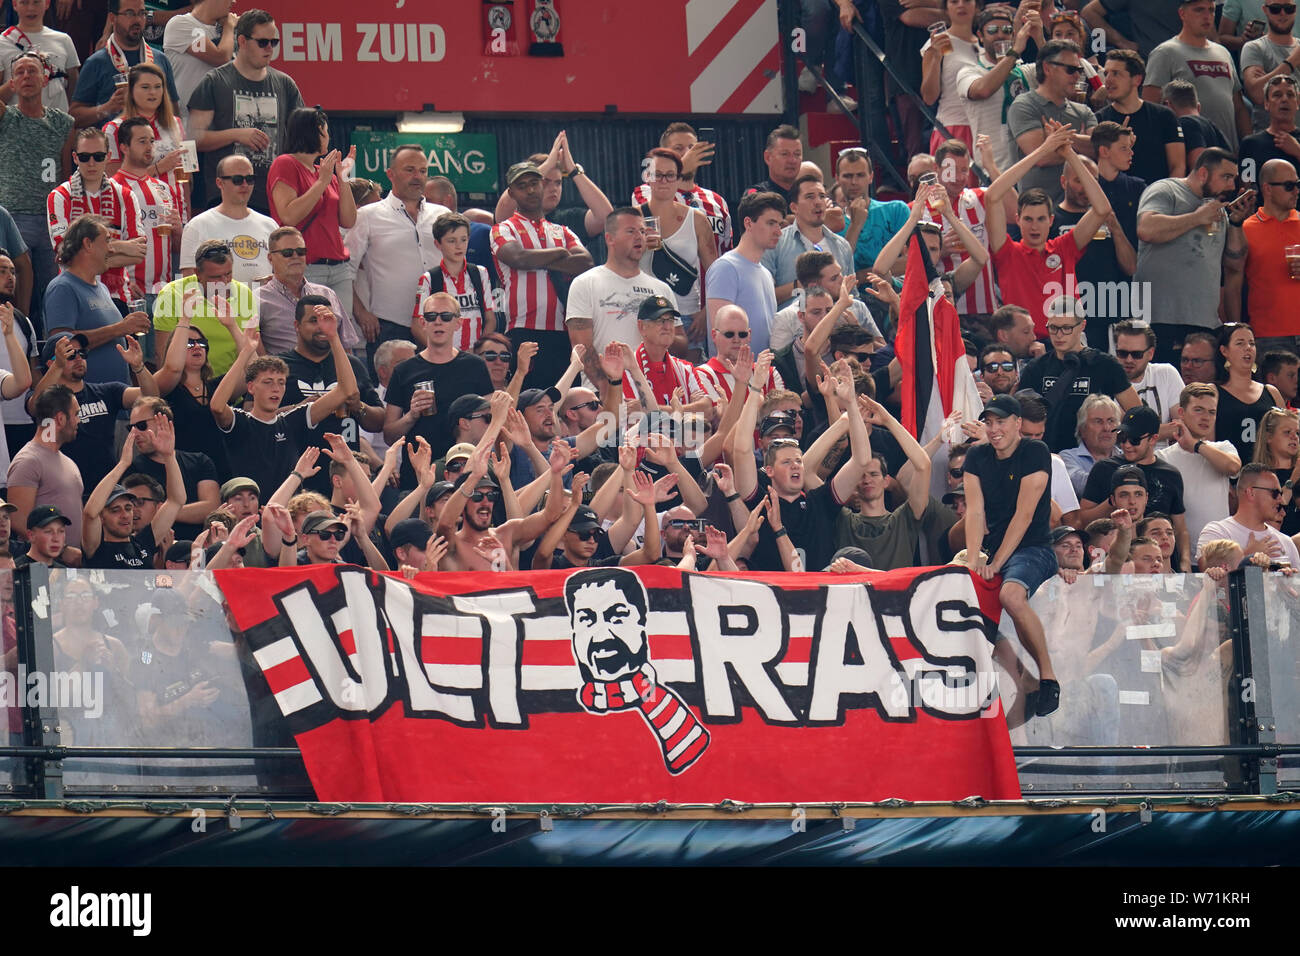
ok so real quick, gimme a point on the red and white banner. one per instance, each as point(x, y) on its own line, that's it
point(612, 685)
point(670, 56)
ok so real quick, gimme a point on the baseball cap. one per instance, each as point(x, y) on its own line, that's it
point(856, 555)
point(118, 492)
point(42, 515)
point(464, 407)
point(777, 420)
point(1139, 422)
point(439, 491)
point(584, 519)
point(952, 496)
point(654, 307)
point(411, 531)
point(180, 551)
point(6, 506)
point(320, 520)
point(236, 485)
point(462, 450)
point(531, 396)
point(47, 351)
point(521, 169)
point(1064, 531)
point(1001, 406)
point(1127, 475)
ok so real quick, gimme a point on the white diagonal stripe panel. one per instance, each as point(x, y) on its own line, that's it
point(701, 17)
point(732, 66)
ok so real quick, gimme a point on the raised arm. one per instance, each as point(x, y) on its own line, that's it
point(91, 526)
point(746, 472)
point(1044, 155)
point(915, 475)
point(219, 404)
point(21, 379)
point(846, 479)
point(642, 492)
point(346, 385)
point(163, 433)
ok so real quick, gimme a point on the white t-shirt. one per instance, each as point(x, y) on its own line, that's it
point(247, 238)
point(611, 302)
point(58, 49)
point(14, 410)
point(187, 69)
point(1159, 389)
point(1205, 488)
point(1062, 488)
point(1231, 528)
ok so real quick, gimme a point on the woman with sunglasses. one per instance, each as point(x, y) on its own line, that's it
point(943, 55)
point(494, 349)
point(187, 382)
point(1243, 401)
point(147, 96)
point(1279, 448)
point(307, 190)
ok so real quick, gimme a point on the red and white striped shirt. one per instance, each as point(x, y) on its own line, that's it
point(153, 200)
point(706, 201)
point(471, 310)
point(164, 142)
point(664, 377)
point(530, 299)
point(980, 298)
point(112, 202)
point(719, 384)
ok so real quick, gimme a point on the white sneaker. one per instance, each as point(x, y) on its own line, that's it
point(807, 82)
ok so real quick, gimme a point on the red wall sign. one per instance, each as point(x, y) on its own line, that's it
point(670, 56)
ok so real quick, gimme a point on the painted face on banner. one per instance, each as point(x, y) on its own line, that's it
point(609, 637)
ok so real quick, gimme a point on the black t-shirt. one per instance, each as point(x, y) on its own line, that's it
point(1096, 372)
point(1200, 133)
point(92, 449)
point(135, 553)
point(465, 374)
point(561, 562)
point(1156, 127)
point(1000, 484)
point(1164, 485)
point(810, 520)
point(195, 467)
point(1260, 148)
point(310, 380)
point(196, 429)
point(267, 451)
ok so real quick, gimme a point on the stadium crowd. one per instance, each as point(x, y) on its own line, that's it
point(257, 361)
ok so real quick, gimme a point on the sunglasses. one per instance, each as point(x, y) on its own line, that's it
point(149, 501)
point(218, 253)
point(495, 356)
point(992, 367)
point(1276, 8)
point(993, 30)
point(485, 416)
point(492, 495)
point(79, 354)
point(785, 442)
point(448, 317)
point(142, 425)
point(680, 523)
point(91, 157)
point(1130, 353)
point(862, 357)
point(591, 406)
point(266, 43)
point(1062, 329)
point(588, 535)
point(1130, 440)
point(1275, 492)
point(197, 344)
point(1290, 185)
point(956, 472)
point(239, 179)
point(1072, 70)
point(457, 465)
point(742, 334)
point(338, 534)
point(289, 253)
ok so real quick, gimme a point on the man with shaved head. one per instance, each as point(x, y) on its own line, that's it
point(730, 334)
point(1269, 273)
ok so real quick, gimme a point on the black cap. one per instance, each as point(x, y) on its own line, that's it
point(411, 531)
point(118, 492)
point(42, 515)
point(180, 551)
point(778, 420)
point(655, 307)
point(584, 519)
point(1139, 422)
point(531, 396)
point(464, 407)
point(1127, 475)
point(440, 490)
point(319, 520)
point(1064, 531)
point(1001, 406)
point(47, 351)
point(952, 496)
point(856, 555)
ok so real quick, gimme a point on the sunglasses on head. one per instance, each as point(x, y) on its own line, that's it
point(447, 317)
point(290, 253)
point(992, 367)
point(240, 179)
point(741, 334)
point(219, 252)
point(266, 42)
point(91, 157)
point(338, 534)
point(495, 356)
point(1130, 353)
point(491, 495)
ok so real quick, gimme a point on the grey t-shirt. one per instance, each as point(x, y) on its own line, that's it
point(1025, 114)
point(1210, 69)
point(236, 101)
point(1268, 56)
point(747, 284)
point(1186, 270)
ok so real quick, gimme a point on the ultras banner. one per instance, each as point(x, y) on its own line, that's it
point(612, 685)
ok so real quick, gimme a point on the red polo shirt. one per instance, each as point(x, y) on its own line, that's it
point(1271, 292)
point(1030, 278)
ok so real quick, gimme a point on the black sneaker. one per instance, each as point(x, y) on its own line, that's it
point(1049, 697)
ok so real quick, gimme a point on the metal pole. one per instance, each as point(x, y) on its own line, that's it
point(32, 611)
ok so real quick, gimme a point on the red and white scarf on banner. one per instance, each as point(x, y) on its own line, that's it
point(118, 56)
point(682, 738)
point(671, 373)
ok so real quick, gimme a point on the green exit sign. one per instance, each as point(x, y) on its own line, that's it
point(468, 159)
